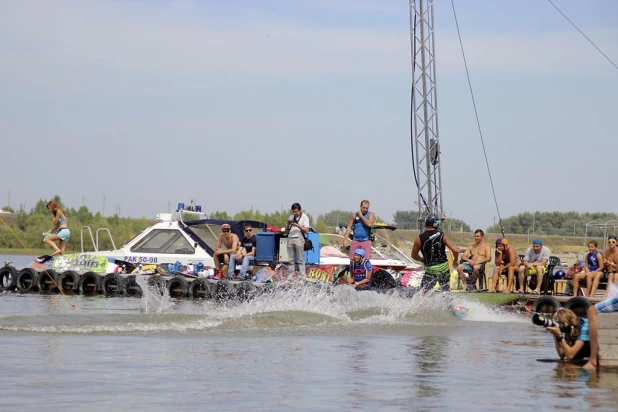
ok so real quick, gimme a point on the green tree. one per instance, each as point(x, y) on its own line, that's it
point(9, 209)
point(336, 218)
point(220, 215)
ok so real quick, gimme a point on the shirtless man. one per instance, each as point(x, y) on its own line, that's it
point(473, 258)
point(610, 262)
point(507, 262)
point(227, 245)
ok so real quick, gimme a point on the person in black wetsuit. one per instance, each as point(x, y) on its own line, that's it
point(432, 244)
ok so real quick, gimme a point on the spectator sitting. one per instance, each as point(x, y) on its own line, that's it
point(593, 270)
point(474, 258)
point(360, 271)
point(228, 240)
point(610, 262)
point(506, 261)
point(535, 263)
point(246, 252)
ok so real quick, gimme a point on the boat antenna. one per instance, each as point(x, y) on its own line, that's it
point(424, 132)
point(478, 122)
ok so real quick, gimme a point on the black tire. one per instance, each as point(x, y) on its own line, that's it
point(112, 284)
point(90, 283)
point(200, 289)
point(26, 280)
point(245, 291)
point(158, 283)
point(579, 305)
point(178, 287)
point(546, 304)
point(8, 277)
point(45, 283)
point(131, 287)
point(69, 281)
point(223, 290)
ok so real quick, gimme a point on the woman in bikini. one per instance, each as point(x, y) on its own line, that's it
point(60, 231)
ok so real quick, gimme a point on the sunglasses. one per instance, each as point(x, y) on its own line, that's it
point(248, 230)
point(226, 230)
point(611, 241)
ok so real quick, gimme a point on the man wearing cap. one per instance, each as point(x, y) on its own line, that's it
point(506, 261)
point(360, 271)
point(535, 263)
point(227, 245)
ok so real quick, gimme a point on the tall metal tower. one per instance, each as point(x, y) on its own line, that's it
point(424, 109)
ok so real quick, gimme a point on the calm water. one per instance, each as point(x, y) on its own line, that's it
point(301, 350)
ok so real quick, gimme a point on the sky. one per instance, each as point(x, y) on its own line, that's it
point(138, 105)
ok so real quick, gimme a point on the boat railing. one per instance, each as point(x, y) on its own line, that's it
point(177, 215)
point(95, 239)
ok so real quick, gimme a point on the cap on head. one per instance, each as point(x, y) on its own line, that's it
point(225, 226)
point(360, 252)
point(537, 241)
point(505, 242)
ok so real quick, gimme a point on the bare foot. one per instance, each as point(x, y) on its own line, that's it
point(505, 291)
point(590, 367)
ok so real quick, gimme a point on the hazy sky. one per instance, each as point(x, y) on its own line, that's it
point(260, 104)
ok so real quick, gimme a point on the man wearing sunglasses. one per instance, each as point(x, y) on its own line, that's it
point(246, 252)
point(610, 262)
point(227, 245)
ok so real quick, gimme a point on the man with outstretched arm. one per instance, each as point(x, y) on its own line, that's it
point(360, 224)
point(432, 244)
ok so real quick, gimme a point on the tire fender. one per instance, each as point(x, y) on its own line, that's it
point(546, 304)
point(178, 287)
point(8, 277)
point(200, 289)
point(26, 280)
point(69, 281)
point(579, 305)
point(90, 283)
point(44, 281)
point(112, 284)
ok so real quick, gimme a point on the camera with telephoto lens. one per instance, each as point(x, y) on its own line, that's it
point(541, 320)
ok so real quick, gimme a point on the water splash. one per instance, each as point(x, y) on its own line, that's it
point(155, 298)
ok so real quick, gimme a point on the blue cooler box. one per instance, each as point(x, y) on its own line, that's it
point(266, 251)
point(312, 256)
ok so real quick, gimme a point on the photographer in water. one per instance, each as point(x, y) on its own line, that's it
point(570, 335)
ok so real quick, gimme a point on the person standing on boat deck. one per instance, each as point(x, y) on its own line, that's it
point(593, 270)
point(230, 241)
point(246, 252)
point(297, 227)
point(432, 244)
point(361, 223)
point(506, 261)
point(535, 263)
point(610, 262)
point(474, 258)
point(60, 231)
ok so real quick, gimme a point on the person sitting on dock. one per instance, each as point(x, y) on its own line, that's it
point(432, 244)
point(593, 270)
point(474, 259)
point(534, 263)
point(360, 271)
point(571, 341)
point(506, 261)
point(230, 241)
point(246, 252)
point(360, 224)
point(610, 262)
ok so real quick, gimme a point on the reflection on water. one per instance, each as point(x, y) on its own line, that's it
point(298, 350)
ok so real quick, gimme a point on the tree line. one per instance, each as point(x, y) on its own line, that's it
point(555, 223)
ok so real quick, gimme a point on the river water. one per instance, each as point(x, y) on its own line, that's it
point(295, 350)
